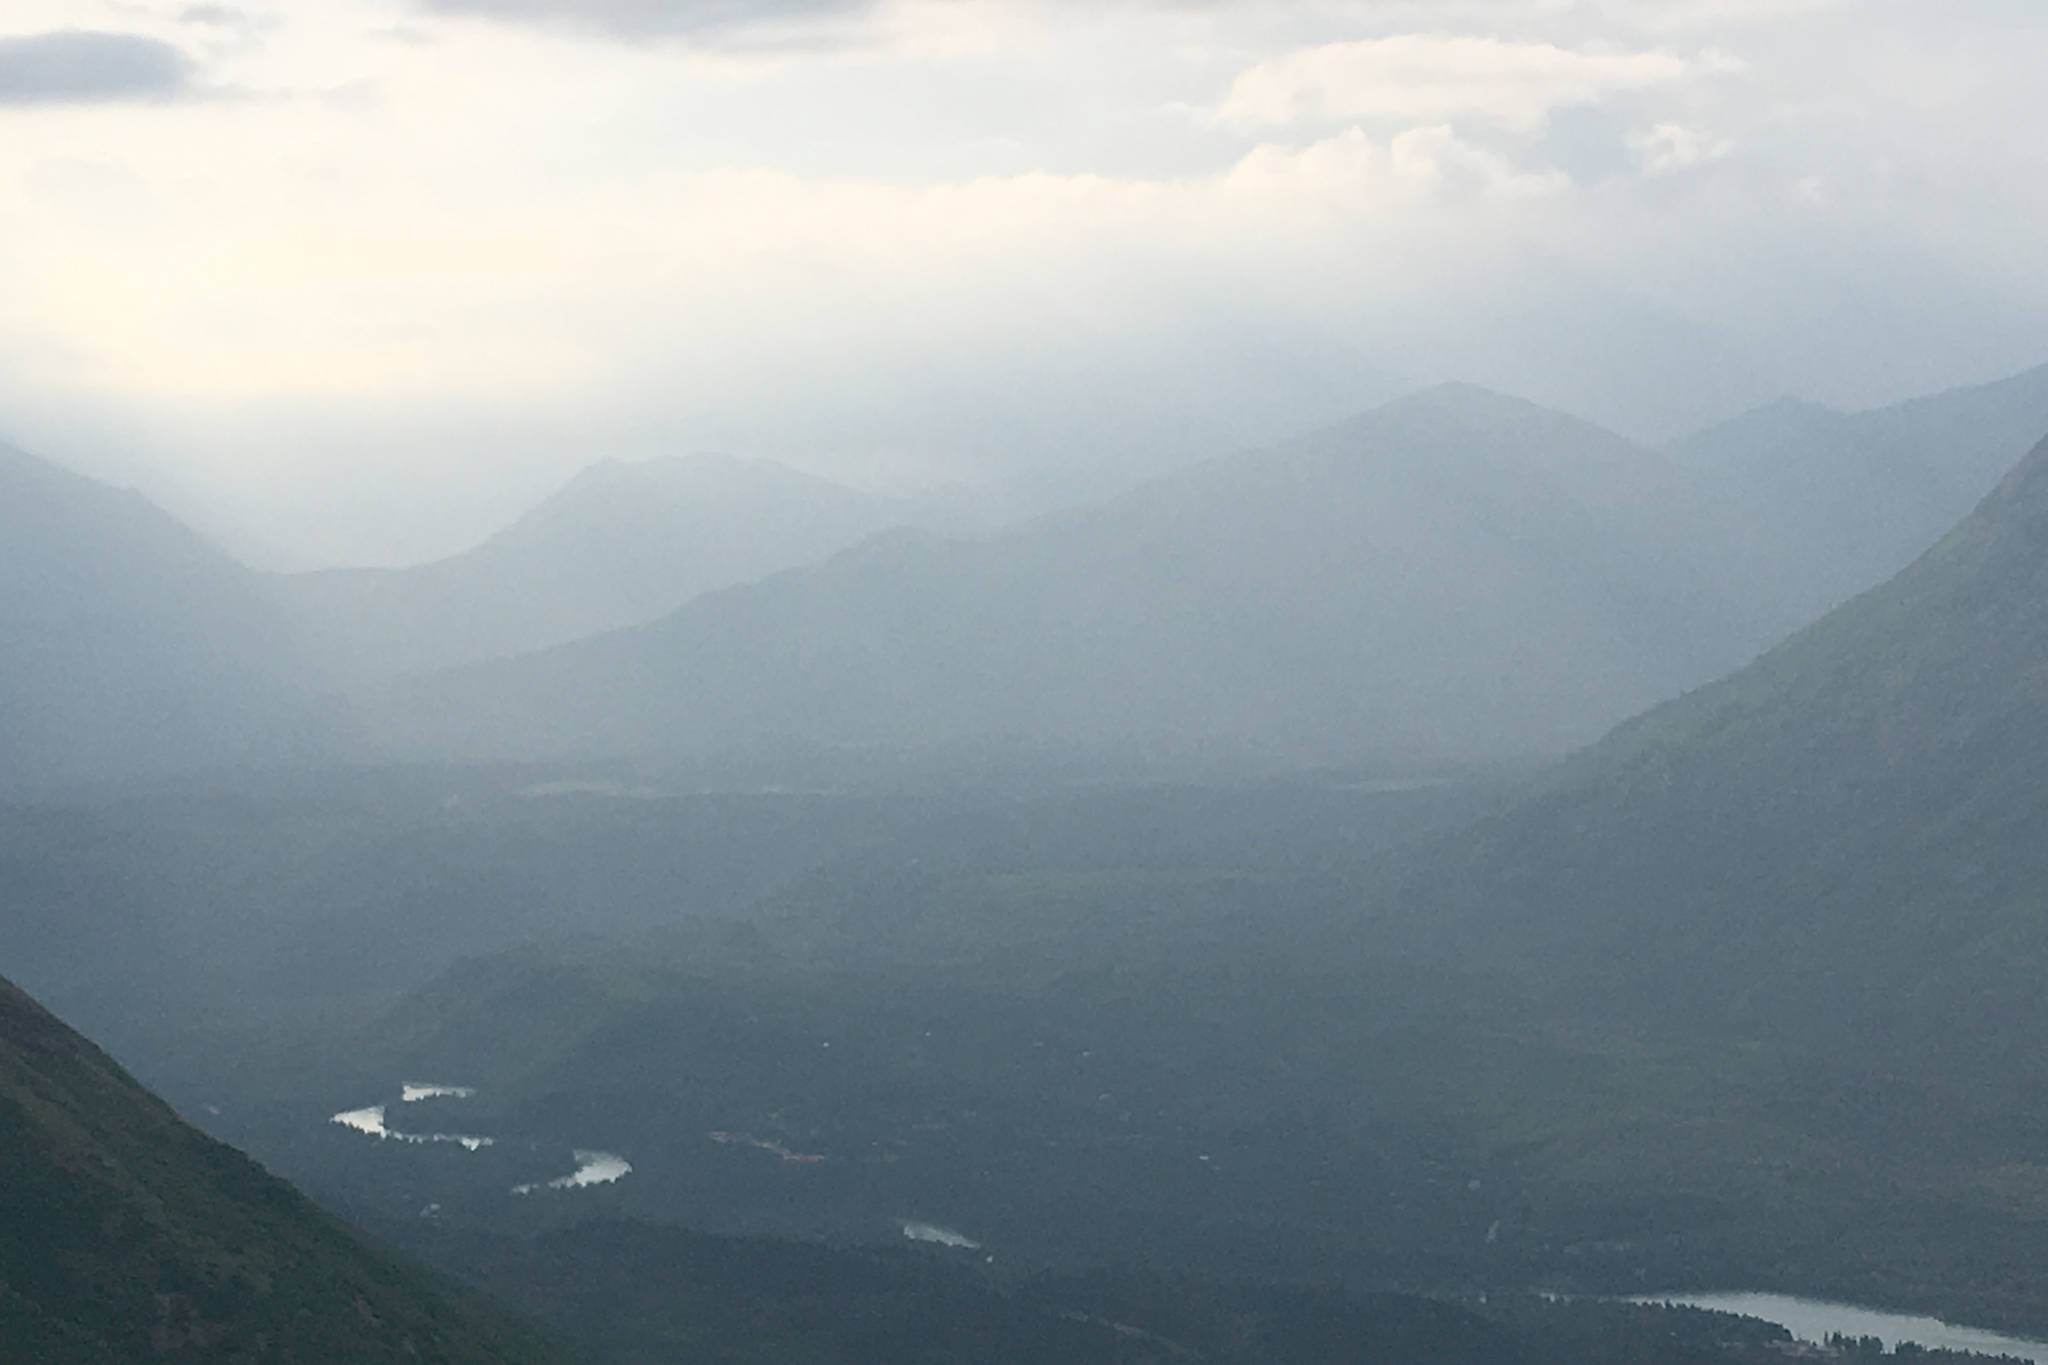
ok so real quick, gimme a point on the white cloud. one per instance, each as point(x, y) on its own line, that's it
point(1679, 15)
point(514, 228)
point(1352, 173)
point(305, 286)
point(1670, 147)
point(1421, 78)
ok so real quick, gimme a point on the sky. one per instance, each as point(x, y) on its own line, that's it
point(355, 281)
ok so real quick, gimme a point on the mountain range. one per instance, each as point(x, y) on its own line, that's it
point(1455, 575)
point(1750, 988)
point(1823, 504)
point(620, 544)
point(1845, 842)
point(132, 647)
point(1752, 982)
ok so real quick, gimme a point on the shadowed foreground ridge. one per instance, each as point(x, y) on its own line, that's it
point(127, 1235)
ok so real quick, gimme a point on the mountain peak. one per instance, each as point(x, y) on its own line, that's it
point(621, 543)
point(1471, 409)
point(1457, 396)
point(612, 472)
point(666, 490)
point(1488, 434)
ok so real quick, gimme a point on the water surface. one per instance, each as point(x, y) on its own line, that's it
point(371, 1121)
point(592, 1168)
point(412, 1092)
point(1815, 1319)
point(932, 1232)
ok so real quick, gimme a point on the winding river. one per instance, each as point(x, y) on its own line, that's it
point(592, 1168)
point(371, 1121)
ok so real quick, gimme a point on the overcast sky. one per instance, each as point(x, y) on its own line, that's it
point(360, 278)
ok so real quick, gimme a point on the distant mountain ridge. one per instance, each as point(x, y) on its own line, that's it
point(1456, 574)
point(132, 647)
point(1826, 504)
point(1846, 841)
point(619, 544)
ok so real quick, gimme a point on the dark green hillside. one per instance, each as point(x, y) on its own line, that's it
point(126, 1236)
point(1189, 1100)
point(1748, 993)
point(645, 1294)
point(1846, 842)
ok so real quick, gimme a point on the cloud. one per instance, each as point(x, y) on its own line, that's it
point(1718, 14)
point(980, 234)
point(1350, 173)
point(74, 66)
point(214, 16)
point(1425, 78)
point(649, 19)
point(1670, 147)
point(324, 291)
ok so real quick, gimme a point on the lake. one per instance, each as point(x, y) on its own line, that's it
point(1814, 1319)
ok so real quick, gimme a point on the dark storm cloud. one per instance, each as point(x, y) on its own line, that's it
point(74, 66)
point(641, 19)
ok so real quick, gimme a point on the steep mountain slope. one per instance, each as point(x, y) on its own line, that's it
point(1826, 504)
point(1456, 574)
point(125, 1235)
point(130, 646)
point(1846, 841)
point(619, 545)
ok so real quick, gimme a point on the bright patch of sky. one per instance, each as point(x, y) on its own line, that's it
point(362, 278)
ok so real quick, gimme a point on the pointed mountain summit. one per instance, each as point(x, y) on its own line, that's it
point(127, 1235)
point(1457, 574)
point(1846, 841)
point(634, 498)
point(131, 647)
point(618, 545)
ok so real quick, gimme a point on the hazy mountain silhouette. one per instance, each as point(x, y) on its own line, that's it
point(126, 1235)
point(1824, 504)
point(132, 646)
point(1845, 841)
point(1455, 574)
point(620, 544)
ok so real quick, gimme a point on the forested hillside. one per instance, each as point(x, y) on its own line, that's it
point(126, 1235)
